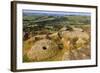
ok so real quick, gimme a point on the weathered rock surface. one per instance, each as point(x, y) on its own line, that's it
point(43, 49)
point(72, 45)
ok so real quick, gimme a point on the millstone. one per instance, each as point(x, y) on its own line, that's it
point(43, 50)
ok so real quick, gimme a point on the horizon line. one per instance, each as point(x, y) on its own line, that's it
point(55, 13)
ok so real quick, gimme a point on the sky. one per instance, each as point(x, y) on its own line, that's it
point(54, 13)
